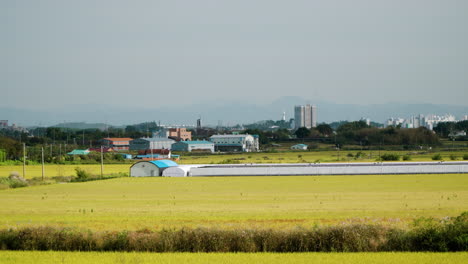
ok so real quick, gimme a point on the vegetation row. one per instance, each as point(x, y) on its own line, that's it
point(450, 234)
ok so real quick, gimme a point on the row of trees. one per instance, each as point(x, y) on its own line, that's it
point(359, 133)
point(444, 129)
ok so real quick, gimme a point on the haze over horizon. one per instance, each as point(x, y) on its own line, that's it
point(161, 53)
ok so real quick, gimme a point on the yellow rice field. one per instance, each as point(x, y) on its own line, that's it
point(236, 202)
point(46, 257)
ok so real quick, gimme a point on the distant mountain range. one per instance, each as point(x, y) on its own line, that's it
point(226, 113)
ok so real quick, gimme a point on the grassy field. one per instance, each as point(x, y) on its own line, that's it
point(38, 257)
point(52, 170)
point(235, 202)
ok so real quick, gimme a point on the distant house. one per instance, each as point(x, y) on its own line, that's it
point(117, 144)
point(104, 149)
point(189, 146)
point(79, 152)
point(299, 147)
point(151, 143)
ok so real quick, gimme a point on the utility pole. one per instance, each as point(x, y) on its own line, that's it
point(42, 150)
point(83, 137)
point(24, 160)
point(102, 162)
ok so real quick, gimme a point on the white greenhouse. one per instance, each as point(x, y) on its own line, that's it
point(150, 168)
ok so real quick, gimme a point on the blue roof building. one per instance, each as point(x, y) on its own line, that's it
point(150, 168)
point(300, 147)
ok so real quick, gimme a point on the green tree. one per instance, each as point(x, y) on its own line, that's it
point(325, 129)
point(302, 132)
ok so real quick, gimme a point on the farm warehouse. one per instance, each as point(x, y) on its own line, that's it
point(150, 168)
point(319, 169)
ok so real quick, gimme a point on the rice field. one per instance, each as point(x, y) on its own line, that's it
point(39, 257)
point(53, 170)
point(236, 202)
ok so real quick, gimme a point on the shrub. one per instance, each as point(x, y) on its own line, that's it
point(13, 181)
point(427, 234)
point(453, 157)
point(406, 157)
point(359, 155)
point(81, 174)
point(390, 156)
point(437, 157)
point(465, 157)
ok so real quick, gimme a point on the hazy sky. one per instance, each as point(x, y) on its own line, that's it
point(155, 53)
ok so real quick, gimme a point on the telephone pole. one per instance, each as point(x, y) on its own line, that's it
point(42, 151)
point(102, 162)
point(24, 160)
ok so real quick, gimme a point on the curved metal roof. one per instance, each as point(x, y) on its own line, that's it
point(164, 163)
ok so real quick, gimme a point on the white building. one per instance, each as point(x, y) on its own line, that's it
point(305, 116)
point(238, 142)
point(428, 121)
point(189, 146)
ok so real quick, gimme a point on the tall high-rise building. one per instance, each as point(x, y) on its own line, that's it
point(305, 116)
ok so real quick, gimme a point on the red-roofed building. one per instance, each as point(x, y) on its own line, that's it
point(117, 143)
point(104, 149)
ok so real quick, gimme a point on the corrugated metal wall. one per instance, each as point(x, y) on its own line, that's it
point(330, 169)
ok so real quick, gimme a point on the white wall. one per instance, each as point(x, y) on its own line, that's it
point(330, 169)
point(144, 169)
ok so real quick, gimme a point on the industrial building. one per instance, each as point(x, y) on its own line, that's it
point(117, 144)
point(189, 146)
point(329, 169)
point(150, 168)
point(174, 133)
point(235, 142)
point(151, 143)
point(311, 169)
point(305, 116)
